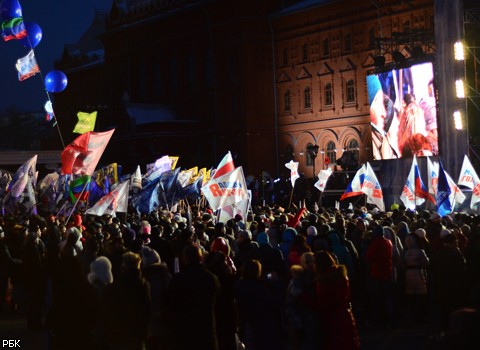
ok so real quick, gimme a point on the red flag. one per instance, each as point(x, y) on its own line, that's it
point(225, 166)
point(83, 154)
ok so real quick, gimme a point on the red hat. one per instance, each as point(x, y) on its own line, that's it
point(77, 220)
point(220, 244)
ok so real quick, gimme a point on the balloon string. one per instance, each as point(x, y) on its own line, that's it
point(48, 96)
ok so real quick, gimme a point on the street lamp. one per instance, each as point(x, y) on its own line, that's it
point(313, 151)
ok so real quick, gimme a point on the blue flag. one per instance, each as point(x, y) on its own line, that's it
point(444, 206)
point(146, 200)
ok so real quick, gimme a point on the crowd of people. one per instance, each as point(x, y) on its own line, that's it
point(295, 278)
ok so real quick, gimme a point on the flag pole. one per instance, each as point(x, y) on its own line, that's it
point(76, 203)
point(291, 196)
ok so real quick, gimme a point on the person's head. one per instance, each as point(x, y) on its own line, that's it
point(324, 261)
point(192, 254)
point(251, 270)
point(307, 260)
point(131, 261)
point(101, 271)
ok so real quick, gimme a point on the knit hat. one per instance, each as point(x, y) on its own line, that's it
point(220, 244)
point(149, 256)
point(100, 270)
point(311, 231)
point(373, 86)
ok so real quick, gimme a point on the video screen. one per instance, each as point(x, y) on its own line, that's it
point(403, 112)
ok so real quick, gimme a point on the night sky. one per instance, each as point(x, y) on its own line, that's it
point(62, 22)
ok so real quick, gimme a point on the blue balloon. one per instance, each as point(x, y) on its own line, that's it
point(10, 9)
point(56, 81)
point(34, 35)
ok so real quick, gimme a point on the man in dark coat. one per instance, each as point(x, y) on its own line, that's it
point(191, 301)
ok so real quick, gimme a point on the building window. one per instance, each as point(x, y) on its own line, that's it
point(305, 52)
point(306, 97)
point(285, 57)
point(287, 100)
point(353, 147)
point(326, 48)
point(288, 153)
point(350, 89)
point(347, 43)
point(331, 152)
point(406, 26)
point(328, 94)
point(308, 155)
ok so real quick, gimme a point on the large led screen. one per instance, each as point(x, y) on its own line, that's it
point(403, 112)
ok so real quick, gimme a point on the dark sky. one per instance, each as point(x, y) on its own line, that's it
point(62, 22)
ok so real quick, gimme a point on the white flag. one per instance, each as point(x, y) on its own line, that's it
point(136, 179)
point(371, 187)
point(432, 176)
point(323, 177)
point(409, 197)
point(115, 201)
point(469, 178)
point(456, 195)
point(226, 190)
point(293, 166)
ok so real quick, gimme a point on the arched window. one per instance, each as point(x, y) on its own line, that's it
point(288, 153)
point(328, 94)
point(331, 152)
point(353, 147)
point(287, 100)
point(306, 97)
point(308, 156)
point(350, 89)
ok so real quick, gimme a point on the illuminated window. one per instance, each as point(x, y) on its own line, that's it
point(331, 152)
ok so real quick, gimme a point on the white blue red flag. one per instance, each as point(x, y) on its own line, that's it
point(354, 188)
point(371, 187)
point(469, 178)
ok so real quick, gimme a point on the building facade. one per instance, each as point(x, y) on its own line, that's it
point(323, 56)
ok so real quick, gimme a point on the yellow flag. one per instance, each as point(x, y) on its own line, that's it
point(174, 161)
point(86, 122)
